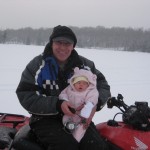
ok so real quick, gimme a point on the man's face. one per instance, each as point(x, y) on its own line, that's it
point(62, 50)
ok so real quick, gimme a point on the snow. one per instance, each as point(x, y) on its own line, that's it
point(126, 72)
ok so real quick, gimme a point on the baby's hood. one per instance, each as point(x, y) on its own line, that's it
point(82, 72)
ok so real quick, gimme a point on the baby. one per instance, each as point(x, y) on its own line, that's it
point(82, 94)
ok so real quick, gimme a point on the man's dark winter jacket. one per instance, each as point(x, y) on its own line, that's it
point(43, 80)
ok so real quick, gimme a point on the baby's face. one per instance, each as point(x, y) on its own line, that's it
point(81, 86)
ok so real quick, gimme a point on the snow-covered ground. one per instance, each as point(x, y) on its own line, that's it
point(127, 73)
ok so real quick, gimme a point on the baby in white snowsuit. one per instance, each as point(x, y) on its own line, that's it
point(83, 97)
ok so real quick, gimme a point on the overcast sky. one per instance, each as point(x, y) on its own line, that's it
point(16, 14)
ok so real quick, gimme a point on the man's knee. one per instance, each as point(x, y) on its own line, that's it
point(92, 140)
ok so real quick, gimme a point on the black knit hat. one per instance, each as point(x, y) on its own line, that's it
point(63, 31)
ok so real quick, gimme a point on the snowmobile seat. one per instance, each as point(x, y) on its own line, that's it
point(25, 140)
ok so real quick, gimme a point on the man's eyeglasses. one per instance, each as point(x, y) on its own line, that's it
point(63, 43)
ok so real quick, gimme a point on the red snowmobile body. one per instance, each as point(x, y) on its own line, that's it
point(125, 137)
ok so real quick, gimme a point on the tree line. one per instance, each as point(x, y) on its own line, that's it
point(127, 39)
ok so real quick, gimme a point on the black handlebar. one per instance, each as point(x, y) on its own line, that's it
point(118, 102)
point(137, 115)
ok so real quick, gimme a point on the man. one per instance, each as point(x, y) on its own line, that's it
point(41, 83)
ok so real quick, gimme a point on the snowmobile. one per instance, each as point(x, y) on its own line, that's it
point(132, 133)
